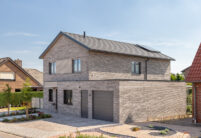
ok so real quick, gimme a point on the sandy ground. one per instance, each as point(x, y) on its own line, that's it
point(126, 130)
point(6, 135)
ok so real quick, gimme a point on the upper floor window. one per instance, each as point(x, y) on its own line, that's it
point(76, 65)
point(136, 67)
point(52, 68)
point(7, 76)
point(68, 95)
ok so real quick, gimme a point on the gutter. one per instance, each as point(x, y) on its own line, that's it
point(194, 105)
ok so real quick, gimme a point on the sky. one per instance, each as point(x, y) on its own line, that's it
point(173, 27)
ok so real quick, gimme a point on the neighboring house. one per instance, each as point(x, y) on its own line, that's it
point(194, 76)
point(12, 73)
point(186, 71)
point(109, 80)
point(38, 75)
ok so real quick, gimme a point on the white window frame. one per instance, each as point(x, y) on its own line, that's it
point(13, 73)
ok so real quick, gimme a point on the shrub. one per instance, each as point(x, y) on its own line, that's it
point(163, 132)
point(151, 126)
point(5, 120)
point(135, 129)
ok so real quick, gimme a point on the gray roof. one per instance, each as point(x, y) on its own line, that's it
point(111, 46)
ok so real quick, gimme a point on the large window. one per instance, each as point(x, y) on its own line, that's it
point(7, 76)
point(76, 65)
point(50, 95)
point(136, 67)
point(52, 68)
point(68, 95)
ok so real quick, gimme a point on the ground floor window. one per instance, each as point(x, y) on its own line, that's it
point(50, 95)
point(17, 90)
point(68, 95)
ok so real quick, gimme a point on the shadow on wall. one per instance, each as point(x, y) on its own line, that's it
point(129, 119)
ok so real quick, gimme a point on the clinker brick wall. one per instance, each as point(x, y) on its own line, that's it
point(101, 65)
point(144, 100)
point(133, 100)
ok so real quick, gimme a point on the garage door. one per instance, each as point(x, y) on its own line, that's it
point(103, 105)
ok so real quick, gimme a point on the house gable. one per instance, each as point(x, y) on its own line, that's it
point(20, 75)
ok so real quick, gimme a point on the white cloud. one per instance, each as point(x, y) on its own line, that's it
point(20, 34)
point(41, 42)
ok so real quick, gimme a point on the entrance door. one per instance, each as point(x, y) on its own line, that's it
point(84, 103)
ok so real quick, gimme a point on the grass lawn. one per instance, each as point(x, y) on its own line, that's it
point(15, 108)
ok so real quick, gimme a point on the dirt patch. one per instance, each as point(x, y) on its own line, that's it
point(84, 133)
point(127, 130)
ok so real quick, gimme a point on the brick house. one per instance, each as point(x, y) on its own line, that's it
point(109, 80)
point(186, 71)
point(12, 73)
point(194, 76)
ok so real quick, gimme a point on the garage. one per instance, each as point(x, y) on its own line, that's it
point(103, 105)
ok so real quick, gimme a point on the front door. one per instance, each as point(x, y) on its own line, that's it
point(84, 103)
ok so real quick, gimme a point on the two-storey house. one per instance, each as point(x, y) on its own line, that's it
point(109, 80)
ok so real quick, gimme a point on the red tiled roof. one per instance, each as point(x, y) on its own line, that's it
point(194, 74)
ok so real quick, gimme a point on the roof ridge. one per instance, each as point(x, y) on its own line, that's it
point(101, 38)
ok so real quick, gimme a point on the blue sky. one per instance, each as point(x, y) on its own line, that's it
point(171, 26)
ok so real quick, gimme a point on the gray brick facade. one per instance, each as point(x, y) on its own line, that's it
point(100, 65)
point(134, 98)
point(134, 101)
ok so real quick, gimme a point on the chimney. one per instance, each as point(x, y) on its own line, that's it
point(84, 34)
point(19, 62)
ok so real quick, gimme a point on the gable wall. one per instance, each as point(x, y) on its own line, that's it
point(20, 77)
point(66, 49)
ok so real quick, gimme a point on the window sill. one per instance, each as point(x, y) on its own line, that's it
point(68, 104)
point(135, 74)
point(7, 80)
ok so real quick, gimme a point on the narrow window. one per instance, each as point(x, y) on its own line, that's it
point(50, 95)
point(68, 94)
point(136, 67)
point(52, 68)
point(76, 65)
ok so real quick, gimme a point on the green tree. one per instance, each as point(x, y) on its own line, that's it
point(27, 96)
point(173, 77)
point(177, 77)
point(7, 97)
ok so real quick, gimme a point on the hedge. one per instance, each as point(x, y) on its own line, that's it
point(16, 98)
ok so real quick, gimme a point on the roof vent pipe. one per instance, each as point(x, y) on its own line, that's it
point(84, 34)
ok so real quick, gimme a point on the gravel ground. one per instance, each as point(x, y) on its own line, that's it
point(125, 130)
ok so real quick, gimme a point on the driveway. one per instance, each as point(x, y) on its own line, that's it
point(58, 124)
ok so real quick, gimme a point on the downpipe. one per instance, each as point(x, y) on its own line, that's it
point(194, 104)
